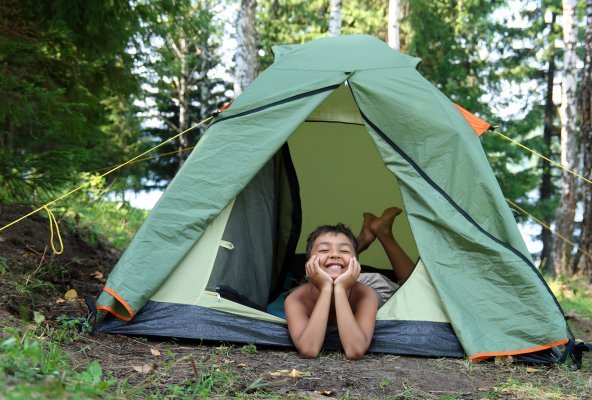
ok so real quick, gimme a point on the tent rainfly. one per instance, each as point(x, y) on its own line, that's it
point(335, 127)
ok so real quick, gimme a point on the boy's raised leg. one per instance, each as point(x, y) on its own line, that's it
point(382, 227)
point(366, 236)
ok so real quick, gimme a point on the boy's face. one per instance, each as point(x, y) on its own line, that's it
point(334, 251)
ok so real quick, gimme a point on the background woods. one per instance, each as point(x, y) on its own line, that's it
point(80, 95)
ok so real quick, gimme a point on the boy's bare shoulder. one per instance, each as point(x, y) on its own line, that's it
point(361, 292)
point(301, 293)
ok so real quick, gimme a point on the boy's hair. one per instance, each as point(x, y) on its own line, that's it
point(339, 228)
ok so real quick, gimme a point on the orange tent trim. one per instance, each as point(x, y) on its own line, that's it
point(479, 126)
point(225, 106)
point(482, 356)
point(112, 311)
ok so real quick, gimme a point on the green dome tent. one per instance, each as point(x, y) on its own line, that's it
point(335, 127)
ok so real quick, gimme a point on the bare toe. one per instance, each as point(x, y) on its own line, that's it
point(366, 236)
point(384, 223)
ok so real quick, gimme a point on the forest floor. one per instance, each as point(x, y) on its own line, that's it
point(36, 297)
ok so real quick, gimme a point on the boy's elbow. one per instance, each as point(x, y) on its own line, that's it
point(354, 354)
point(309, 351)
point(309, 354)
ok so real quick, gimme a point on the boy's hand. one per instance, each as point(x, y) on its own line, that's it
point(315, 273)
point(349, 277)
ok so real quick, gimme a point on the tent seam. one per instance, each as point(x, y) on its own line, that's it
point(344, 71)
point(278, 102)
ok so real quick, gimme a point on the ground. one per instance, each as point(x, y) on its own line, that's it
point(37, 283)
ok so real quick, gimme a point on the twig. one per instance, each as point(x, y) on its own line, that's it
point(38, 267)
point(32, 249)
point(195, 370)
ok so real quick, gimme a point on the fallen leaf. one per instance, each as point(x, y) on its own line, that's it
point(38, 317)
point(504, 360)
point(144, 369)
point(532, 370)
point(97, 275)
point(313, 395)
point(279, 372)
point(284, 372)
point(295, 374)
point(241, 365)
point(59, 300)
point(71, 295)
point(154, 351)
point(324, 392)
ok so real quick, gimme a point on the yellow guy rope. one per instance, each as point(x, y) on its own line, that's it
point(52, 222)
point(548, 227)
point(184, 149)
point(543, 157)
point(45, 206)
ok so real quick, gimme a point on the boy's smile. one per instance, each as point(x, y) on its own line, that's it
point(334, 251)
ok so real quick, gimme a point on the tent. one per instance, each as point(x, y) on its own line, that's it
point(335, 127)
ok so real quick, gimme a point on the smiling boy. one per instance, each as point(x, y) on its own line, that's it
point(333, 294)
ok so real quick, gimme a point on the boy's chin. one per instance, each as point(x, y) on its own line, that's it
point(335, 276)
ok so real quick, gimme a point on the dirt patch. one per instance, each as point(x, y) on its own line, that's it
point(38, 279)
point(34, 280)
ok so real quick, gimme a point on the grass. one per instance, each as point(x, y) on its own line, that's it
point(574, 294)
point(31, 366)
point(555, 382)
point(34, 364)
point(117, 221)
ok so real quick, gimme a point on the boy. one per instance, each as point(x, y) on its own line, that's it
point(333, 294)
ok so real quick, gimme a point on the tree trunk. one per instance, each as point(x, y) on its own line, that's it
point(583, 262)
point(394, 24)
point(565, 214)
point(204, 88)
point(247, 63)
point(546, 190)
point(183, 99)
point(335, 18)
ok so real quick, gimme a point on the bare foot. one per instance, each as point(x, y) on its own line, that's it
point(366, 236)
point(383, 225)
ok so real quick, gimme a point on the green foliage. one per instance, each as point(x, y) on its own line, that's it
point(214, 380)
point(448, 36)
point(574, 294)
point(524, 57)
point(96, 217)
point(289, 22)
point(77, 326)
point(249, 348)
point(35, 367)
point(59, 65)
point(295, 21)
point(3, 266)
point(179, 52)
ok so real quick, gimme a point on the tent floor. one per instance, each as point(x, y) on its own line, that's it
point(413, 338)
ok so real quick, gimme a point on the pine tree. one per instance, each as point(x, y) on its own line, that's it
point(63, 70)
point(180, 54)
